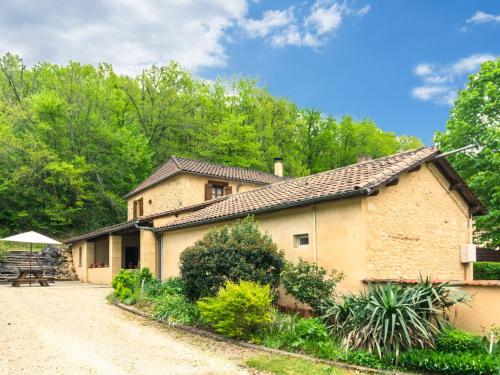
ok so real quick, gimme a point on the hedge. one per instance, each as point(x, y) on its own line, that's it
point(487, 271)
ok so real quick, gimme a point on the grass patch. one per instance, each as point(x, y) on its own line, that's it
point(283, 365)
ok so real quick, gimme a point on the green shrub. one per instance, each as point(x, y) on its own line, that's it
point(454, 340)
point(293, 333)
point(127, 284)
point(238, 310)
point(487, 271)
point(310, 284)
point(450, 363)
point(156, 288)
point(390, 318)
point(239, 252)
point(175, 309)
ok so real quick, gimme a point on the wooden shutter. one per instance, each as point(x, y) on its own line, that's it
point(135, 210)
point(228, 190)
point(208, 192)
point(141, 207)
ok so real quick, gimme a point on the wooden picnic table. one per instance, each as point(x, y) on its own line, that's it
point(29, 276)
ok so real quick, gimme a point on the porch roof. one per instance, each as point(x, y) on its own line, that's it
point(102, 231)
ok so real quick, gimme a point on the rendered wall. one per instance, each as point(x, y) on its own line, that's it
point(81, 271)
point(484, 309)
point(179, 191)
point(417, 227)
point(337, 243)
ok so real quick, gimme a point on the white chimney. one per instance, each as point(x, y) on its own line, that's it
point(278, 167)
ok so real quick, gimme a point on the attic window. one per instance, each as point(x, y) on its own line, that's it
point(138, 208)
point(217, 189)
point(300, 240)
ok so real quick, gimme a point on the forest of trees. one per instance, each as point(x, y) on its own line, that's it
point(74, 139)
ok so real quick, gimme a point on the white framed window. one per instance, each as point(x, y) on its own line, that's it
point(300, 240)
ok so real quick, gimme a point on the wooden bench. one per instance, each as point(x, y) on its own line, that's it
point(29, 276)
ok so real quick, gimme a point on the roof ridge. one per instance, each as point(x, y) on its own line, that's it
point(371, 180)
point(230, 166)
point(339, 168)
point(174, 159)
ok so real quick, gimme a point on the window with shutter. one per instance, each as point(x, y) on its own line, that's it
point(141, 207)
point(208, 192)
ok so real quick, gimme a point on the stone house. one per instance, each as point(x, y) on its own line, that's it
point(393, 218)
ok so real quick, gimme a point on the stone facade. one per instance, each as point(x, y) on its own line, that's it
point(179, 191)
point(417, 227)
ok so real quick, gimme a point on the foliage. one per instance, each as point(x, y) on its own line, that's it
point(290, 332)
point(310, 284)
point(238, 310)
point(175, 309)
point(475, 119)
point(390, 318)
point(487, 271)
point(172, 285)
point(453, 340)
point(450, 363)
point(74, 139)
point(239, 252)
point(283, 365)
point(127, 284)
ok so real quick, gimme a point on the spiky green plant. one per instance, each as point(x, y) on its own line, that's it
point(389, 318)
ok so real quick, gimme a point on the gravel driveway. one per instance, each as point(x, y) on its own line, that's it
point(69, 328)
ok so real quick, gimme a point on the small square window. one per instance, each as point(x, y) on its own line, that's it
point(217, 191)
point(301, 240)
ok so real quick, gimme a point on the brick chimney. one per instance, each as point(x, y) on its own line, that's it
point(278, 167)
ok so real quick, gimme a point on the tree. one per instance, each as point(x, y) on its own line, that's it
point(475, 119)
point(75, 138)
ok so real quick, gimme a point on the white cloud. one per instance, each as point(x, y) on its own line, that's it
point(470, 64)
point(289, 36)
point(482, 17)
point(423, 69)
point(303, 25)
point(363, 11)
point(324, 19)
point(271, 20)
point(130, 34)
point(441, 83)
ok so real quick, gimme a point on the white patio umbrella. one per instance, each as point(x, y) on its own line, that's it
point(31, 238)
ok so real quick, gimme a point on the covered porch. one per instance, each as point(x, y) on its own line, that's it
point(100, 255)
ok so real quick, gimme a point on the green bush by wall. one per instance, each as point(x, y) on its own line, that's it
point(487, 271)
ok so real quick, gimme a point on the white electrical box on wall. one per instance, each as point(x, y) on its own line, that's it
point(468, 253)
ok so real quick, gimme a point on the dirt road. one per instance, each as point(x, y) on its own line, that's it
point(69, 328)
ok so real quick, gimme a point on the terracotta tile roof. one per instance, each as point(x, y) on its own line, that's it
point(356, 179)
point(102, 231)
point(175, 165)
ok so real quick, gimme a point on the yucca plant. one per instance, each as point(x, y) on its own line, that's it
point(390, 318)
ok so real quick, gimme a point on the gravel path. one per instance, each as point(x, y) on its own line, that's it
point(69, 328)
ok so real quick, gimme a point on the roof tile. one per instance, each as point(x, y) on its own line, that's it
point(176, 165)
point(326, 185)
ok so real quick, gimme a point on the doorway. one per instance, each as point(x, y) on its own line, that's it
point(131, 257)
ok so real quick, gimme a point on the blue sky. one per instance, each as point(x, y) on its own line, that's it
point(397, 62)
point(366, 66)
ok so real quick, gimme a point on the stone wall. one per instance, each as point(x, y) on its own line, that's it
point(179, 191)
point(417, 227)
point(57, 263)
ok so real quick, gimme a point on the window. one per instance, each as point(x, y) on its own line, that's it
point(80, 256)
point(217, 189)
point(138, 208)
point(301, 240)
